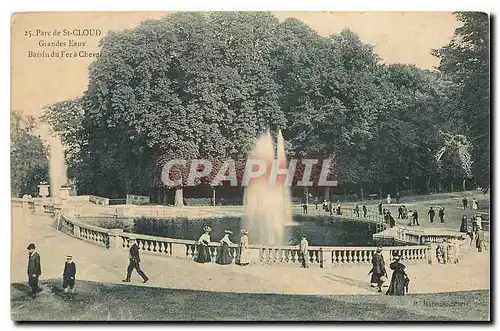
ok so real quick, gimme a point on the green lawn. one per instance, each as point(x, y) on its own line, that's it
point(100, 302)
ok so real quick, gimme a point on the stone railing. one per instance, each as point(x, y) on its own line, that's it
point(180, 248)
point(99, 200)
point(407, 236)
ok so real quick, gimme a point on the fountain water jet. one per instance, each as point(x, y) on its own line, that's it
point(267, 206)
point(57, 168)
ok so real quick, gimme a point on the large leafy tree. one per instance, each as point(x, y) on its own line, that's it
point(466, 62)
point(192, 85)
point(28, 156)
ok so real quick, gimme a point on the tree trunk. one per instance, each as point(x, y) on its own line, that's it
point(213, 196)
point(179, 197)
point(345, 193)
point(380, 192)
point(463, 184)
point(327, 193)
point(440, 189)
point(451, 186)
point(165, 196)
point(361, 190)
point(429, 183)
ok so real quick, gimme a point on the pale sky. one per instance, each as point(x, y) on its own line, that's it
point(405, 37)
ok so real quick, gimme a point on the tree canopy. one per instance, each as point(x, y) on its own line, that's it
point(206, 85)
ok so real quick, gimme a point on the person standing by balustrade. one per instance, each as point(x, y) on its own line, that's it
point(224, 257)
point(203, 249)
point(244, 248)
point(304, 252)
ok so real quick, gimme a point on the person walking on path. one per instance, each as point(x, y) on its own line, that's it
point(304, 208)
point(69, 275)
point(465, 202)
point(365, 211)
point(441, 214)
point(304, 252)
point(203, 249)
point(400, 212)
point(244, 248)
point(399, 279)
point(224, 257)
point(463, 225)
point(380, 207)
point(356, 210)
point(415, 217)
point(34, 269)
point(479, 222)
point(431, 214)
point(397, 198)
point(378, 271)
point(405, 212)
point(479, 240)
point(475, 206)
point(316, 203)
point(389, 199)
point(134, 262)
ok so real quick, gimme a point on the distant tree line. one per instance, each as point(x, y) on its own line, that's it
point(205, 85)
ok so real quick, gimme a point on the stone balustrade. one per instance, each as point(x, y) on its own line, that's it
point(181, 248)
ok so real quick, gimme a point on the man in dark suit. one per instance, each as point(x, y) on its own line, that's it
point(34, 269)
point(134, 261)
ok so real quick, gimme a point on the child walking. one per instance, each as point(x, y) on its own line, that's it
point(69, 275)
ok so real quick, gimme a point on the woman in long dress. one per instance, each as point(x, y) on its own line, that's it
point(244, 248)
point(203, 249)
point(378, 269)
point(224, 256)
point(399, 280)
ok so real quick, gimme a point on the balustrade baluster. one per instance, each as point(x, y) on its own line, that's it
point(344, 257)
point(293, 255)
point(365, 257)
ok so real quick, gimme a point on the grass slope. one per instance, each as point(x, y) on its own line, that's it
point(100, 302)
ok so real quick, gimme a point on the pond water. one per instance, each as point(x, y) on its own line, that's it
point(320, 230)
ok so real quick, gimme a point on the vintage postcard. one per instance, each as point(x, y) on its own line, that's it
point(250, 166)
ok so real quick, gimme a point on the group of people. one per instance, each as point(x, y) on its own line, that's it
point(35, 270)
point(448, 251)
point(224, 257)
point(465, 204)
point(474, 229)
point(328, 207)
point(432, 213)
point(399, 280)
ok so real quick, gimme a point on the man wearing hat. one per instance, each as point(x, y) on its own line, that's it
point(134, 261)
point(34, 269)
point(69, 274)
point(303, 252)
point(379, 274)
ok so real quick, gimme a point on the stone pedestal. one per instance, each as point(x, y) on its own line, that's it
point(43, 190)
point(39, 210)
point(431, 258)
point(115, 242)
point(64, 193)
